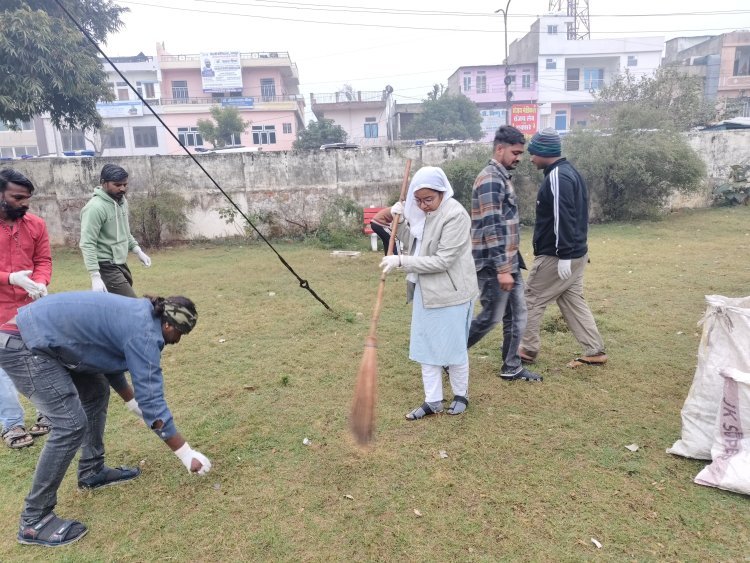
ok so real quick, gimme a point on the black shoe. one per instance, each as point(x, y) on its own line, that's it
point(523, 375)
point(109, 476)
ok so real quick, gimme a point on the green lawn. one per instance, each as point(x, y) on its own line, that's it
point(533, 471)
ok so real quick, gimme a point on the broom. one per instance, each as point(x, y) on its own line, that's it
point(362, 419)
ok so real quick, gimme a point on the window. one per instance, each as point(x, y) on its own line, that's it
point(551, 64)
point(552, 29)
point(145, 89)
point(526, 81)
point(189, 136)
point(742, 61)
point(268, 92)
point(113, 138)
point(179, 89)
point(72, 140)
point(145, 137)
point(561, 120)
point(18, 152)
point(264, 134)
point(593, 78)
point(287, 128)
point(371, 130)
point(572, 79)
point(632, 60)
point(481, 84)
point(122, 91)
point(22, 126)
point(233, 140)
point(467, 83)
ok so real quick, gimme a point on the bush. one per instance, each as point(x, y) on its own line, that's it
point(463, 171)
point(340, 223)
point(158, 215)
point(631, 174)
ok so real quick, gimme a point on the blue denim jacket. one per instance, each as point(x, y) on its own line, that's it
point(92, 332)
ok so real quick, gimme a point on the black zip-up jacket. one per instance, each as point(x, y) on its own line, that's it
point(562, 213)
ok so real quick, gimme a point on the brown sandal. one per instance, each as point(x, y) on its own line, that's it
point(17, 438)
point(41, 427)
point(599, 360)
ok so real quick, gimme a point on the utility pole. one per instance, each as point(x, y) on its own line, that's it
point(508, 93)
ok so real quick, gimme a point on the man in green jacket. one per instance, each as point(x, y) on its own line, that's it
point(105, 242)
point(105, 235)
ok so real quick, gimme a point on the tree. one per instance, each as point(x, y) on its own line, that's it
point(445, 116)
point(317, 133)
point(47, 65)
point(228, 123)
point(669, 99)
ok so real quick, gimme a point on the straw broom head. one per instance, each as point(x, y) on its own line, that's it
point(362, 420)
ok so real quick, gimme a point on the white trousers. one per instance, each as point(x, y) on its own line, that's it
point(432, 378)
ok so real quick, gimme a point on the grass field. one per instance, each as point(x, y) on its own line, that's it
point(532, 472)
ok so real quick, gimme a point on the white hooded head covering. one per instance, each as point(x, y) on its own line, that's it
point(430, 177)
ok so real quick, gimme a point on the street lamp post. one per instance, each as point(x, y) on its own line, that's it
point(505, 63)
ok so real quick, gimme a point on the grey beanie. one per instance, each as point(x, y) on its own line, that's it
point(546, 143)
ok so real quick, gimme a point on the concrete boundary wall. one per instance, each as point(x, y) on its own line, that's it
point(294, 187)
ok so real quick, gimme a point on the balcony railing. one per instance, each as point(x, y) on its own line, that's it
point(584, 85)
point(349, 97)
point(217, 101)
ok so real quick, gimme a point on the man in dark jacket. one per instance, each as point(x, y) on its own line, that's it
point(560, 252)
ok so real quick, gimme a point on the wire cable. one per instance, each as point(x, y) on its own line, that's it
point(303, 283)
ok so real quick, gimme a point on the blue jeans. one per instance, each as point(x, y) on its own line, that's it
point(11, 411)
point(506, 306)
point(76, 405)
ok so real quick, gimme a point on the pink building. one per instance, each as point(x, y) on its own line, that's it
point(263, 86)
point(485, 86)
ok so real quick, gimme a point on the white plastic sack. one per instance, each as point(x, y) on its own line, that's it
point(730, 469)
point(725, 343)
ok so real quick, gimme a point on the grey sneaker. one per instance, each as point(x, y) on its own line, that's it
point(522, 375)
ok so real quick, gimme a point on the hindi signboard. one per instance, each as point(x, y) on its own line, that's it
point(523, 118)
point(221, 71)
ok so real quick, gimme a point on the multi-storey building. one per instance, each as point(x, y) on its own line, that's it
point(263, 86)
point(485, 86)
point(367, 117)
point(723, 61)
point(28, 140)
point(571, 68)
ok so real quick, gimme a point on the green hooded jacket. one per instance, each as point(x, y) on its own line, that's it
point(105, 231)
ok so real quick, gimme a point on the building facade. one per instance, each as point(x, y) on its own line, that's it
point(571, 70)
point(722, 61)
point(485, 86)
point(366, 116)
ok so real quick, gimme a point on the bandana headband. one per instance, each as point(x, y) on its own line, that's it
point(180, 317)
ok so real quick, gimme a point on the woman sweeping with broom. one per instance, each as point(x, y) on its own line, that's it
point(441, 283)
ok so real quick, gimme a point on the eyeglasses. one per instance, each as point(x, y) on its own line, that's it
point(429, 200)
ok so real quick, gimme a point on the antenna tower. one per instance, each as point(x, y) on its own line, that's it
point(580, 27)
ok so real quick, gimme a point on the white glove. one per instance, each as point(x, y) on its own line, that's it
point(133, 407)
point(397, 208)
point(40, 292)
point(188, 454)
point(142, 256)
point(22, 280)
point(97, 284)
point(563, 269)
point(389, 263)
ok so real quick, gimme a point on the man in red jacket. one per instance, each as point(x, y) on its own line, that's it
point(25, 273)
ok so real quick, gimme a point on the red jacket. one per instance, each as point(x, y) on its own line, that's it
point(23, 246)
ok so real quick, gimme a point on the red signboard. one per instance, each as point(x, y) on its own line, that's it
point(523, 118)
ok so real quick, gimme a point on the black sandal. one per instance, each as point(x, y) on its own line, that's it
point(51, 531)
point(423, 411)
point(458, 399)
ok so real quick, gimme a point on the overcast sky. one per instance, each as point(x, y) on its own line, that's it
point(408, 44)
